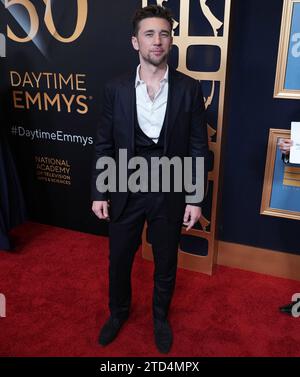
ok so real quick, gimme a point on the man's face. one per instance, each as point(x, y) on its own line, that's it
point(153, 41)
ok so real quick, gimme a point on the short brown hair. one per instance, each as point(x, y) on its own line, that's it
point(150, 12)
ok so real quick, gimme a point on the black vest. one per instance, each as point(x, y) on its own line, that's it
point(145, 147)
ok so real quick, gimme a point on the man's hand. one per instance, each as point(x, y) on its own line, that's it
point(191, 216)
point(100, 209)
point(285, 145)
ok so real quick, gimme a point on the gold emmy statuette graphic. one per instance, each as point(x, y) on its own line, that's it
point(217, 78)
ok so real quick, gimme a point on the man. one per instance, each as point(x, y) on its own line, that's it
point(152, 112)
point(285, 147)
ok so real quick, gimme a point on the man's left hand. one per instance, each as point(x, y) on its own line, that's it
point(191, 216)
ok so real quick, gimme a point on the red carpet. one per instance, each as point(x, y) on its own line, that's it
point(55, 285)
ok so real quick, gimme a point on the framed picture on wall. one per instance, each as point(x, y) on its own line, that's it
point(281, 188)
point(287, 82)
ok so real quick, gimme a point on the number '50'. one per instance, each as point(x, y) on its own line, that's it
point(82, 12)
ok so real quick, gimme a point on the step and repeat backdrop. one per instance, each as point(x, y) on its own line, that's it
point(56, 58)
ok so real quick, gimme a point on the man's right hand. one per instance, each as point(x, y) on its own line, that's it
point(100, 209)
point(285, 145)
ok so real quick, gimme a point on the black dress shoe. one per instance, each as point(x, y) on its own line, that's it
point(110, 330)
point(288, 308)
point(163, 336)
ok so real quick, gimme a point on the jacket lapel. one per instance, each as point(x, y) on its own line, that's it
point(173, 106)
point(128, 103)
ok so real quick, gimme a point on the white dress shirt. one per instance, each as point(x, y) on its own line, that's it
point(151, 114)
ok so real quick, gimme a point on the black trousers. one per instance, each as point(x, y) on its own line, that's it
point(125, 238)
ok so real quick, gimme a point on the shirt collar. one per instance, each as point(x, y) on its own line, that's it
point(139, 81)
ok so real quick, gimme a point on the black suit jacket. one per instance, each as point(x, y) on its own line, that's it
point(185, 132)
